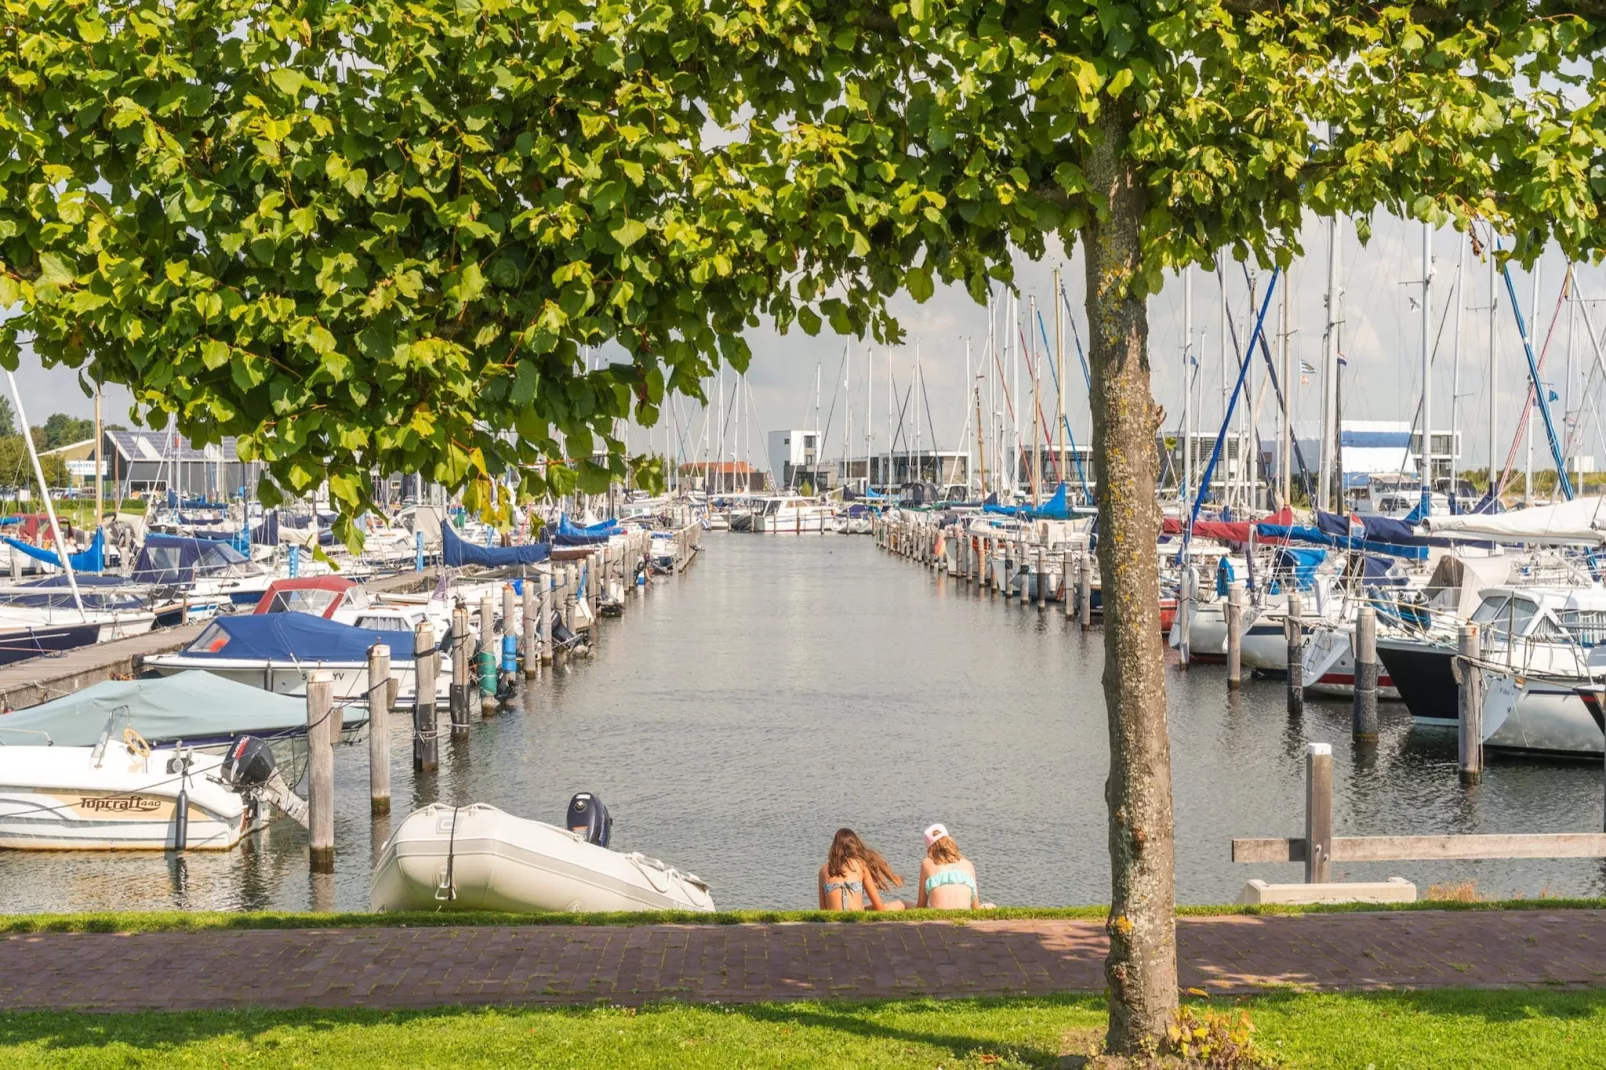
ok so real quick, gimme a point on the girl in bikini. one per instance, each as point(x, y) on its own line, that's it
point(947, 879)
point(854, 876)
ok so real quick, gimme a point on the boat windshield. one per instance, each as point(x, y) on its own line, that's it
point(772, 507)
point(313, 600)
point(382, 623)
point(212, 640)
point(1490, 607)
point(1510, 618)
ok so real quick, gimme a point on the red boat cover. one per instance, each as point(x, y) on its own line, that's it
point(1228, 531)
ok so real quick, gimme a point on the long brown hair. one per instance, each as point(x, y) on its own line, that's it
point(847, 847)
point(944, 851)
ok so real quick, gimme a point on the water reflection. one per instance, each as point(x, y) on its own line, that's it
point(737, 715)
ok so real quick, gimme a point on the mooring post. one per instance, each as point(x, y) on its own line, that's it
point(459, 692)
point(1235, 628)
point(1365, 709)
point(426, 669)
point(1470, 700)
point(1294, 632)
point(1042, 578)
point(531, 636)
point(379, 729)
point(571, 594)
point(1066, 595)
point(1185, 610)
point(1084, 592)
point(490, 647)
point(321, 770)
point(543, 615)
point(1318, 812)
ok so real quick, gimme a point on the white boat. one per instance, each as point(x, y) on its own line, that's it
point(792, 516)
point(479, 858)
point(118, 795)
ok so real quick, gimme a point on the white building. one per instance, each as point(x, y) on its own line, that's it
point(792, 457)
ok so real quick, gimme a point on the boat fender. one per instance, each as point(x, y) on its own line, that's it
point(181, 820)
point(589, 817)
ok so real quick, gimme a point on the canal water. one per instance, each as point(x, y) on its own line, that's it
point(786, 686)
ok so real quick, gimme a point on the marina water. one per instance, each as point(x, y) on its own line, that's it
point(743, 711)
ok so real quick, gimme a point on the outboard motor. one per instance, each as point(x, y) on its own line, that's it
point(249, 769)
point(589, 817)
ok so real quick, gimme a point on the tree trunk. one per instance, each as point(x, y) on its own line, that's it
point(1142, 967)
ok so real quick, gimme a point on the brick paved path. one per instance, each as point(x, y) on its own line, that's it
point(388, 967)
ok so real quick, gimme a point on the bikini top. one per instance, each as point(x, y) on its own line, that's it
point(951, 876)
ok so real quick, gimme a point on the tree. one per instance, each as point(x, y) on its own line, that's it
point(62, 430)
point(1167, 133)
point(8, 418)
point(378, 235)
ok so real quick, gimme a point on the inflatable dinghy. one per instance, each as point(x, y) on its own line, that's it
point(479, 858)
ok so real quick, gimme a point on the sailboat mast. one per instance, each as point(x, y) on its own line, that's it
point(1187, 385)
point(1427, 369)
point(1494, 303)
point(1016, 454)
point(1059, 366)
point(970, 460)
point(1221, 285)
point(1037, 404)
point(1285, 453)
point(44, 490)
point(1455, 366)
point(1528, 472)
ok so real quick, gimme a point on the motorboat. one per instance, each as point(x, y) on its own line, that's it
point(790, 515)
point(119, 795)
point(212, 571)
point(197, 709)
point(278, 652)
point(478, 857)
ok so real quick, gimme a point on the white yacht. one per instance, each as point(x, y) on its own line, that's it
point(791, 515)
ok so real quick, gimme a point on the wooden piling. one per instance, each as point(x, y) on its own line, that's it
point(1294, 632)
point(379, 687)
point(490, 642)
point(1318, 813)
point(532, 635)
point(1084, 593)
point(426, 670)
point(1235, 629)
point(1185, 611)
point(1364, 713)
point(1469, 762)
point(1066, 596)
point(321, 714)
point(543, 616)
point(1042, 578)
point(458, 700)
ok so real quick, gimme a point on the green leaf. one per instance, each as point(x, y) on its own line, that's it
point(629, 232)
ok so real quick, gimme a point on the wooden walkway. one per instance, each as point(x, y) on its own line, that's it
point(511, 965)
point(35, 680)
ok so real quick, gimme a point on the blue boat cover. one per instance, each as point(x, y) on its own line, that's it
point(456, 553)
point(92, 559)
point(1369, 526)
point(293, 637)
point(1301, 562)
point(1301, 533)
point(569, 527)
point(176, 559)
point(1056, 508)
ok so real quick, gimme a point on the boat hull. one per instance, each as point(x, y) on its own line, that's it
point(1423, 674)
point(480, 858)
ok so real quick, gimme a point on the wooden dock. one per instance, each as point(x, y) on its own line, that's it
point(36, 680)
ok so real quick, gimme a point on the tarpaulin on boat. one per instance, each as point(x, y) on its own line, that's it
point(1227, 530)
point(1299, 533)
point(293, 637)
point(193, 706)
point(1578, 522)
point(1056, 508)
point(1368, 526)
point(91, 559)
point(176, 559)
point(456, 553)
point(568, 533)
point(1300, 562)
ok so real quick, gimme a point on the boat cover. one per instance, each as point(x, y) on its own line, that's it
point(1581, 521)
point(457, 553)
point(186, 705)
point(293, 637)
point(176, 559)
point(91, 559)
point(1228, 530)
point(1299, 533)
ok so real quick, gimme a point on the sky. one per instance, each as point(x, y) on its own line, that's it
point(1382, 343)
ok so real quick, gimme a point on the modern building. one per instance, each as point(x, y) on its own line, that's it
point(150, 462)
point(792, 459)
point(902, 468)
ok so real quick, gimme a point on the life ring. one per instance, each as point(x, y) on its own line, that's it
point(136, 743)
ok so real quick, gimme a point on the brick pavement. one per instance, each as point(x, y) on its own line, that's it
point(424, 967)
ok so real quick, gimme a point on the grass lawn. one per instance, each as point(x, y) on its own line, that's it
point(1397, 1029)
point(200, 920)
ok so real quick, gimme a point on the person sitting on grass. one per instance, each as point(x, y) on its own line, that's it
point(854, 875)
point(947, 879)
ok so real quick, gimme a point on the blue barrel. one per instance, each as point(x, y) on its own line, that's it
point(295, 561)
point(418, 541)
point(518, 587)
point(510, 653)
